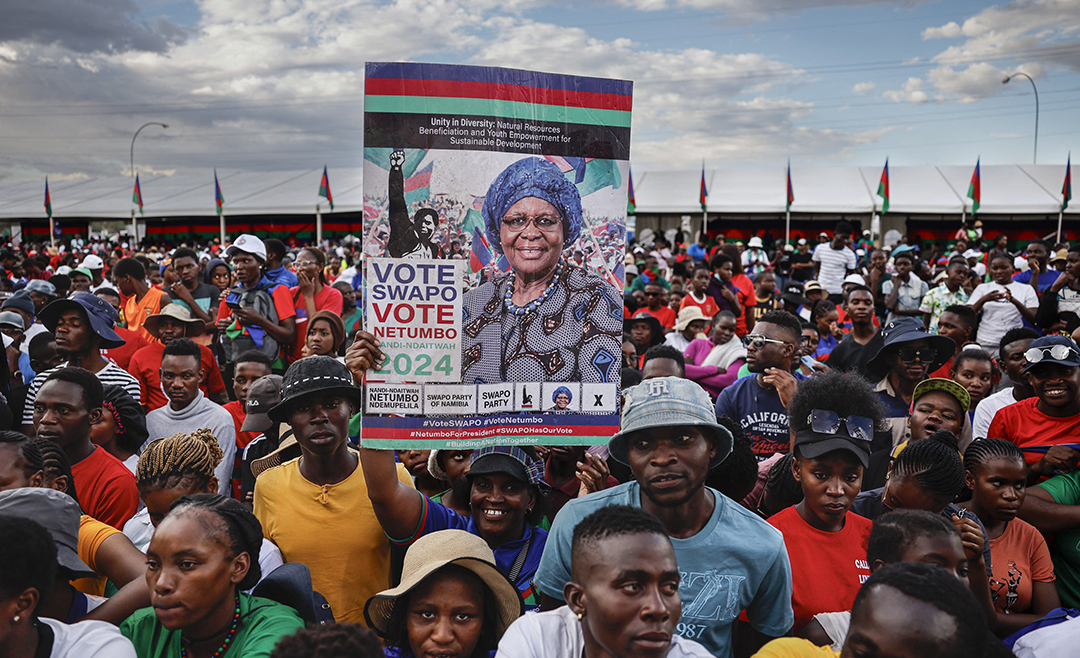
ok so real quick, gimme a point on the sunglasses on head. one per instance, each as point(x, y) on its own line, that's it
point(1057, 352)
point(828, 422)
point(910, 354)
point(758, 341)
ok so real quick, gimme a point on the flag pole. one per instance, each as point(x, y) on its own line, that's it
point(134, 231)
point(787, 226)
point(1061, 214)
point(52, 230)
point(221, 222)
point(318, 223)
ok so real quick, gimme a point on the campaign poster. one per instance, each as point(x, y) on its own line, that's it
point(514, 185)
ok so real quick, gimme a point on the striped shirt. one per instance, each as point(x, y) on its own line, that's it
point(835, 264)
point(110, 374)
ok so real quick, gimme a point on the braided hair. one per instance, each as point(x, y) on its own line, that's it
point(239, 530)
point(55, 464)
point(933, 464)
point(131, 432)
point(983, 450)
point(178, 458)
point(781, 480)
point(28, 452)
point(895, 532)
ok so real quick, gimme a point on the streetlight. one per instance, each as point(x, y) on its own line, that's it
point(152, 123)
point(1034, 159)
point(134, 224)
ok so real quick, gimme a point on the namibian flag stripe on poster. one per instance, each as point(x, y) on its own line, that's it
point(415, 79)
point(569, 429)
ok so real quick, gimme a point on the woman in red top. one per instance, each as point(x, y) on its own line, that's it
point(832, 419)
point(1022, 586)
point(312, 295)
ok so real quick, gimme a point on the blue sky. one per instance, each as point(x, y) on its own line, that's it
point(739, 83)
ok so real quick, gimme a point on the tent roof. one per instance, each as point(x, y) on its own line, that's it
point(1006, 189)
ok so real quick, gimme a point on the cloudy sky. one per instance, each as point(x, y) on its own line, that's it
point(262, 85)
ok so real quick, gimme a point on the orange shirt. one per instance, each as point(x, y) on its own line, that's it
point(136, 311)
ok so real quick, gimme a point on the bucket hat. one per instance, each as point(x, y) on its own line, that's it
point(1066, 353)
point(908, 330)
point(314, 374)
point(58, 513)
point(668, 402)
point(100, 314)
point(754, 243)
point(42, 286)
point(433, 552)
point(192, 326)
point(264, 393)
point(688, 315)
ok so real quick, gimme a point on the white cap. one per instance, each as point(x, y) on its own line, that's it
point(63, 269)
point(788, 247)
point(802, 240)
point(248, 244)
point(754, 243)
point(972, 253)
point(92, 262)
point(855, 278)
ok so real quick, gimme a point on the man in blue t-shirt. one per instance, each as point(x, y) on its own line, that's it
point(759, 402)
point(729, 559)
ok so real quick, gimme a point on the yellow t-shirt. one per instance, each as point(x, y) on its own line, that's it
point(795, 647)
point(332, 529)
point(92, 534)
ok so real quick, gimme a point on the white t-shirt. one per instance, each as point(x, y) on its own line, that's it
point(984, 413)
point(557, 634)
point(1000, 316)
point(88, 639)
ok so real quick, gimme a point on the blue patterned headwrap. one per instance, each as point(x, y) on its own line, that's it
point(532, 177)
point(562, 390)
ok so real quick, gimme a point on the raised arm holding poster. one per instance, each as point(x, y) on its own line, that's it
point(494, 212)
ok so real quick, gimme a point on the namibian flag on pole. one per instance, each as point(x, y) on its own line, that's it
point(136, 196)
point(1066, 189)
point(631, 202)
point(975, 189)
point(218, 199)
point(704, 191)
point(48, 199)
point(883, 187)
point(324, 188)
point(790, 189)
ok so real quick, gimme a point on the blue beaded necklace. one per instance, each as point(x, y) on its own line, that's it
point(531, 306)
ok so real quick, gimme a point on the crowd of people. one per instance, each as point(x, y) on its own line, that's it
point(838, 451)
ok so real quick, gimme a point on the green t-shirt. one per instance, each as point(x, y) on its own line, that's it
point(1066, 490)
point(262, 623)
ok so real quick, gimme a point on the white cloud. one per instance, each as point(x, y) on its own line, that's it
point(280, 85)
point(970, 84)
point(911, 92)
point(863, 88)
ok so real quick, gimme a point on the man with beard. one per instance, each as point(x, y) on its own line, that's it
point(864, 341)
point(906, 357)
point(730, 559)
point(759, 403)
point(409, 239)
point(82, 326)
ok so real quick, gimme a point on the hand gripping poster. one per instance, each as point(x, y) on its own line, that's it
point(494, 235)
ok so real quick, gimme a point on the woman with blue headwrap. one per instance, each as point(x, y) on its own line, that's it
point(562, 397)
point(547, 319)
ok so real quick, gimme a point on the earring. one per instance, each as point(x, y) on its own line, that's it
point(16, 619)
point(579, 616)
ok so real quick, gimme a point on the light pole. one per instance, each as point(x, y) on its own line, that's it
point(134, 224)
point(151, 123)
point(1034, 159)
